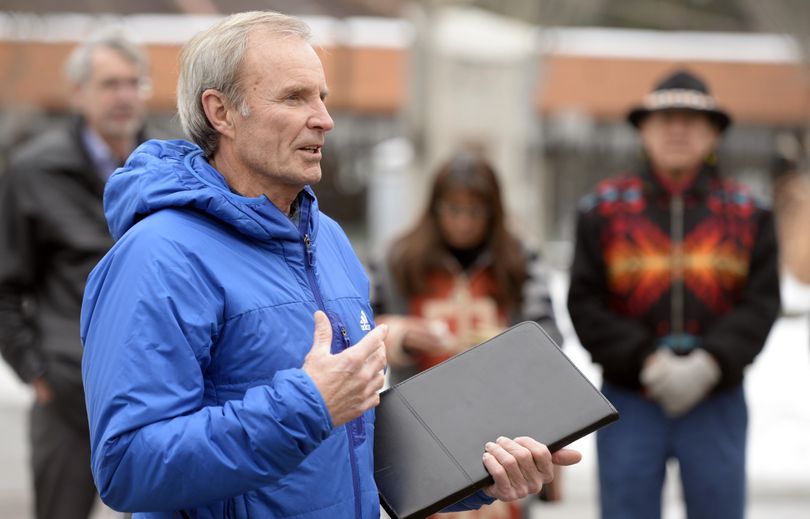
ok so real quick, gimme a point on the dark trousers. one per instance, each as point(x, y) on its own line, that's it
point(60, 458)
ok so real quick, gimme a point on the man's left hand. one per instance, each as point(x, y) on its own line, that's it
point(522, 466)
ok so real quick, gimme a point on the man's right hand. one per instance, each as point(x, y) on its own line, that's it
point(350, 381)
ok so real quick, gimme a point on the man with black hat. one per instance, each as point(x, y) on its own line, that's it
point(674, 288)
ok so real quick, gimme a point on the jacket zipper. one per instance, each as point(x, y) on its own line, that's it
point(356, 424)
point(309, 254)
point(310, 264)
point(677, 296)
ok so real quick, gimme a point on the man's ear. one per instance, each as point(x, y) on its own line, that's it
point(218, 111)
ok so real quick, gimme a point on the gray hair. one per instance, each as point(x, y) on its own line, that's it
point(79, 63)
point(212, 59)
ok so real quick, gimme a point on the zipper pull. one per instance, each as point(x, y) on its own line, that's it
point(345, 334)
point(308, 250)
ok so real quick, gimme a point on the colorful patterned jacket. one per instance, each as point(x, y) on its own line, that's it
point(464, 300)
point(653, 268)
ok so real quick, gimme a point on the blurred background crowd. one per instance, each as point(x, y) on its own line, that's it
point(542, 88)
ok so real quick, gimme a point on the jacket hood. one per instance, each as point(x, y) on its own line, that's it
point(175, 174)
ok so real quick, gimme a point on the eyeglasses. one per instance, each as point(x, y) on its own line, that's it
point(140, 85)
point(474, 212)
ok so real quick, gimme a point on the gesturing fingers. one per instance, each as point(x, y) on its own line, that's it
point(322, 336)
point(349, 381)
point(369, 345)
point(368, 357)
point(377, 360)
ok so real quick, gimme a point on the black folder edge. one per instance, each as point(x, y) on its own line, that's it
point(452, 498)
point(476, 486)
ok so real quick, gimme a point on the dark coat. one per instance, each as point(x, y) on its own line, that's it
point(52, 233)
point(626, 297)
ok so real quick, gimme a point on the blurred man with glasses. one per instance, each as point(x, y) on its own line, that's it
point(52, 233)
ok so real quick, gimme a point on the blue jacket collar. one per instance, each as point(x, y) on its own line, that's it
point(175, 174)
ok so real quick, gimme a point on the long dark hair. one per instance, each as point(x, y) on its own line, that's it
point(423, 249)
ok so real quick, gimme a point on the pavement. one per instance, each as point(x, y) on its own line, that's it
point(777, 386)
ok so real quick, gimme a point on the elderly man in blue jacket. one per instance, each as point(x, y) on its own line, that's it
point(207, 392)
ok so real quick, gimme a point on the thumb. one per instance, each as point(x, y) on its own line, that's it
point(566, 457)
point(322, 337)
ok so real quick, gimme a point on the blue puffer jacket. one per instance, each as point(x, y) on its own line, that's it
point(195, 327)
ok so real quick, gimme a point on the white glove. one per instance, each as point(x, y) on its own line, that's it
point(678, 383)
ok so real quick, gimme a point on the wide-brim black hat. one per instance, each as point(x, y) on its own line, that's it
point(680, 91)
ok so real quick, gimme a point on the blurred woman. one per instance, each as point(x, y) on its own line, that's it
point(457, 278)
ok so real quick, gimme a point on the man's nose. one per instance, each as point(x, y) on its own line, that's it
point(321, 119)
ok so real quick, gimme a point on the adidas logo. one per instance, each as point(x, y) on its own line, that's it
point(365, 325)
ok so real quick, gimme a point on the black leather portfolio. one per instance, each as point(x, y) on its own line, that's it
point(431, 429)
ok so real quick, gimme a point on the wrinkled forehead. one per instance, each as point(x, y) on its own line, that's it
point(273, 61)
point(267, 48)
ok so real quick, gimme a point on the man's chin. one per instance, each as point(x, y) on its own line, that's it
point(679, 163)
point(121, 129)
point(312, 176)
